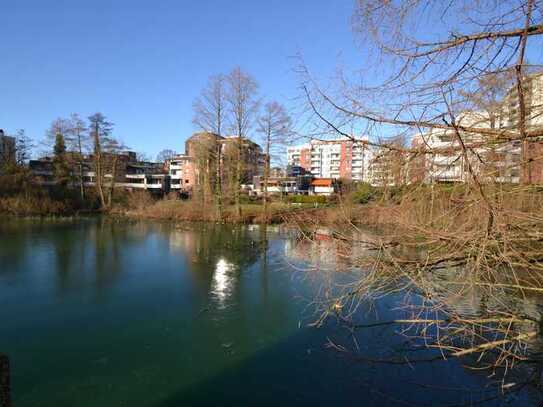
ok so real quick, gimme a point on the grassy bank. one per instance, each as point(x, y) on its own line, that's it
point(42, 203)
point(191, 210)
point(442, 207)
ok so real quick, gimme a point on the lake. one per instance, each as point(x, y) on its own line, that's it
point(100, 313)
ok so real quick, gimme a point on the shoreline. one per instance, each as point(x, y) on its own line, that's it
point(361, 214)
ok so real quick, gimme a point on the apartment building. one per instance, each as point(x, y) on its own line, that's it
point(533, 100)
point(300, 156)
point(253, 159)
point(7, 149)
point(531, 150)
point(203, 149)
point(182, 173)
point(446, 163)
point(387, 167)
point(341, 158)
point(130, 173)
point(496, 162)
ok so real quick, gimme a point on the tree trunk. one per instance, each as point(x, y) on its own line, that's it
point(81, 184)
point(526, 173)
point(218, 182)
point(237, 187)
point(112, 182)
point(266, 178)
point(98, 167)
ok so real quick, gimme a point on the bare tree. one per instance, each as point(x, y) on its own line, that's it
point(59, 126)
point(446, 82)
point(488, 95)
point(23, 147)
point(113, 148)
point(243, 107)
point(100, 132)
point(79, 145)
point(210, 107)
point(275, 126)
point(204, 156)
point(209, 116)
point(165, 155)
point(142, 156)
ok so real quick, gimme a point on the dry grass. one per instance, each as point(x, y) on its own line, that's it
point(191, 210)
point(34, 206)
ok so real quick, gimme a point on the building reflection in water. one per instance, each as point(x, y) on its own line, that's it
point(453, 292)
point(320, 250)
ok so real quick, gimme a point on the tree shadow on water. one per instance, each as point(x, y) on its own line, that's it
point(288, 373)
point(301, 371)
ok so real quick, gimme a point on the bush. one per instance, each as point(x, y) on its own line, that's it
point(135, 200)
point(307, 199)
point(245, 199)
point(364, 193)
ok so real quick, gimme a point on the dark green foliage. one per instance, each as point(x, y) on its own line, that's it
point(61, 169)
point(364, 193)
point(307, 199)
point(246, 199)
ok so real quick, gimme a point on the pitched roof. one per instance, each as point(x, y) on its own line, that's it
point(322, 182)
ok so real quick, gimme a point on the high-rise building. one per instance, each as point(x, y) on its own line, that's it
point(531, 149)
point(341, 158)
point(444, 160)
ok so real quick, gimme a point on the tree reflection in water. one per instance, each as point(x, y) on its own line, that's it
point(487, 322)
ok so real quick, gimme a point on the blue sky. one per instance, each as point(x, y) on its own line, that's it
point(142, 63)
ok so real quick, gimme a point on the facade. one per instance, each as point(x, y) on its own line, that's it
point(283, 185)
point(532, 173)
point(501, 163)
point(323, 186)
point(202, 150)
point(446, 163)
point(296, 171)
point(300, 156)
point(253, 160)
point(7, 149)
point(533, 100)
point(381, 166)
point(387, 166)
point(341, 158)
point(182, 173)
point(130, 174)
point(277, 172)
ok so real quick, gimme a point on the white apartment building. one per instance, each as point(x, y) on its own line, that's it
point(447, 164)
point(296, 155)
point(340, 158)
point(533, 100)
point(181, 171)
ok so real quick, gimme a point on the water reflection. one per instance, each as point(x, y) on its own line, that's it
point(494, 326)
point(223, 282)
point(194, 301)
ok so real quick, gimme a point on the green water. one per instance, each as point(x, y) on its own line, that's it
point(102, 314)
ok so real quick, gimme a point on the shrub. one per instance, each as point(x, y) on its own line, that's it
point(136, 200)
point(364, 193)
point(307, 199)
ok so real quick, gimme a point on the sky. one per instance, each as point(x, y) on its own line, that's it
point(143, 62)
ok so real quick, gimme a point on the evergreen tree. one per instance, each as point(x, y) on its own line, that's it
point(61, 169)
